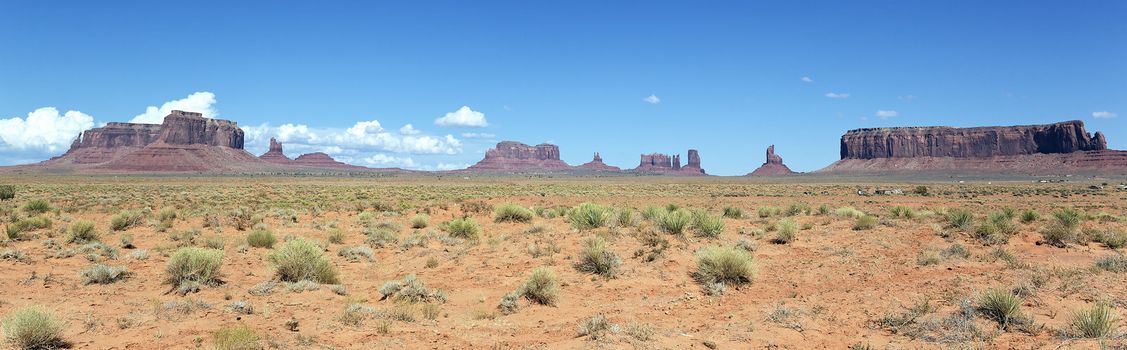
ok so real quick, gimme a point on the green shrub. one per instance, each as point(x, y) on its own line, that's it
point(1001, 305)
point(652, 213)
point(34, 327)
point(1029, 215)
point(960, 219)
point(718, 267)
point(901, 211)
point(336, 236)
point(7, 192)
point(733, 213)
point(768, 211)
point(588, 216)
point(356, 253)
point(626, 217)
point(866, 222)
point(126, 219)
point(237, 338)
point(1113, 263)
point(167, 214)
point(849, 212)
point(1003, 222)
point(190, 267)
point(1114, 239)
point(786, 231)
point(542, 287)
point(15, 230)
point(411, 290)
point(1096, 322)
point(797, 209)
point(37, 206)
point(674, 222)
point(465, 228)
point(824, 209)
point(82, 231)
point(261, 238)
point(420, 221)
point(512, 213)
point(1068, 218)
point(1058, 235)
point(708, 226)
point(102, 274)
point(597, 258)
point(301, 260)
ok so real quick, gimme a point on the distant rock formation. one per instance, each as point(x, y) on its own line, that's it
point(664, 163)
point(597, 164)
point(275, 154)
point(1064, 146)
point(322, 160)
point(516, 156)
point(773, 166)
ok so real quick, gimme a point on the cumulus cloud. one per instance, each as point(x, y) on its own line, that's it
point(43, 132)
point(883, 114)
point(837, 94)
point(362, 137)
point(1104, 115)
point(200, 102)
point(463, 117)
point(652, 99)
point(475, 135)
point(807, 79)
point(408, 130)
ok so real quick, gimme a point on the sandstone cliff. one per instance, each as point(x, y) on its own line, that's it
point(666, 164)
point(275, 154)
point(773, 166)
point(516, 156)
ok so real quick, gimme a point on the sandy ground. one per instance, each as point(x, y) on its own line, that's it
point(829, 289)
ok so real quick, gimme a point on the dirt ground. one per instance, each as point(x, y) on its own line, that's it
point(898, 285)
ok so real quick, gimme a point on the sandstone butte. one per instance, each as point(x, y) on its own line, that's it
point(276, 155)
point(665, 164)
point(773, 166)
point(1064, 146)
point(596, 164)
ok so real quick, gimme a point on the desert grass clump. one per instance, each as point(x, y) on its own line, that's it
point(786, 231)
point(866, 222)
point(733, 213)
point(261, 238)
point(768, 211)
point(302, 260)
point(464, 228)
point(34, 327)
point(1113, 263)
point(589, 216)
point(237, 338)
point(512, 213)
point(1001, 305)
point(597, 258)
point(1096, 322)
point(675, 222)
point(420, 221)
point(191, 267)
point(959, 219)
point(718, 267)
point(411, 290)
point(125, 219)
point(1068, 218)
point(1029, 216)
point(901, 211)
point(1114, 239)
point(102, 274)
point(82, 231)
point(848, 212)
point(357, 253)
point(7, 192)
point(594, 327)
point(1058, 235)
point(542, 287)
point(708, 226)
point(37, 206)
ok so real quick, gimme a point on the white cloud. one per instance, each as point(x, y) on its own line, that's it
point(463, 117)
point(837, 94)
point(380, 160)
point(362, 137)
point(408, 130)
point(43, 132)
point(475, 135)
point(883, 114)
point(908, 98)
point(200, 102)
point(1104, 115)
point(652, 99)
point(808, 79)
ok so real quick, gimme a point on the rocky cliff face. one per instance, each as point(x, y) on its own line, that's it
point(597, 164)
point(516, 156)
point(773, 166)
point(1064, 137)
point(190, 128)
point(664, 163)
point(275, 154)
point(322, 160)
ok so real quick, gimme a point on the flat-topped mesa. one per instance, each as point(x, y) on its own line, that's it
point(275, 154)
point(597, 164)
point(664, 163)
point(190, 128)
point(773, 166)
point(321, 160)
point(941, 141)
point(512, 155)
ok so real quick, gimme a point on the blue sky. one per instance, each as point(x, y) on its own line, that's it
point(728, 77)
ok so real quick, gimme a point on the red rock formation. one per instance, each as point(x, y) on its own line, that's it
point(322, 160)
point(275, 154)
point(597, 164)
point(773, 166)
point(516, 156)
point(190, 128)
point(938, 141)
point(663, 163)
point(1049, 148)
